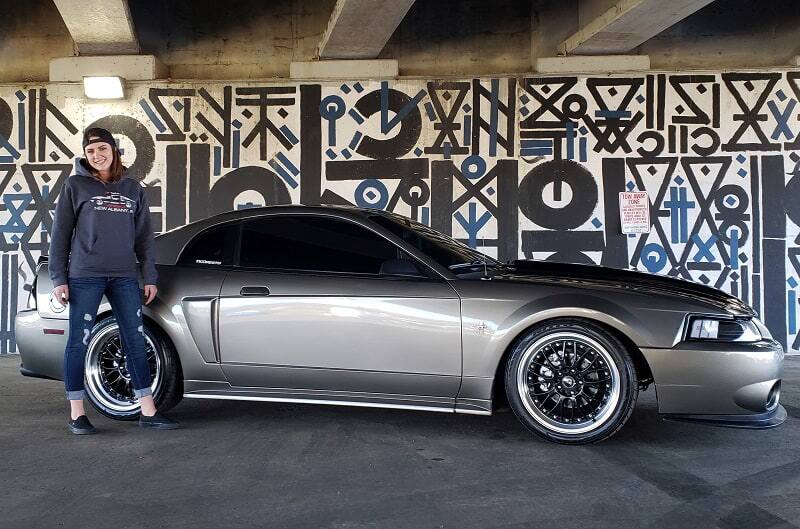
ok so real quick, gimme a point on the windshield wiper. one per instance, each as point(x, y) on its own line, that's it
point(484, 264)
point(466, 265)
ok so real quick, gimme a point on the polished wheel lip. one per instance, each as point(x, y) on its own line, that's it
point(101, 348)
point(541, 417)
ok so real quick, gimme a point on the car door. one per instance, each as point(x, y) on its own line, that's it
point(309, 308)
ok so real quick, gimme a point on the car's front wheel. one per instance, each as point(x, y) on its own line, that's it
point(570, 381)
point(108, 383)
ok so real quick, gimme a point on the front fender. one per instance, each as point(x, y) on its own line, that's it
point(487, 336)
point(493, 319)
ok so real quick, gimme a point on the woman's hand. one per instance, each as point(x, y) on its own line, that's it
point(61, 293)
point(150, 292)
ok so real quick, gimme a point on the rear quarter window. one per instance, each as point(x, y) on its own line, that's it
point(213, 247)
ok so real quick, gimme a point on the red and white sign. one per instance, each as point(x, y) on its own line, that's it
point(634, 212)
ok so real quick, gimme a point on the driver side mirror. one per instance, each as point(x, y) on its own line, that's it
point(400, 267)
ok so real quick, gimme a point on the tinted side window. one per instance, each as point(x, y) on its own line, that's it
point(309, 243)
point(213, 247)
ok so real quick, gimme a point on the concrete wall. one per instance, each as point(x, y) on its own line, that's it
point(253, 39)
point(519, 167)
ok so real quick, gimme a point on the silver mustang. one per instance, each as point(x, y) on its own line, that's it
point(358, 307)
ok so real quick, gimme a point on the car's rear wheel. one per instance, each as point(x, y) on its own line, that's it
point(570, 381)
point(108, 383)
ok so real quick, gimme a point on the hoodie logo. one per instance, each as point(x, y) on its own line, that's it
point(113, 201)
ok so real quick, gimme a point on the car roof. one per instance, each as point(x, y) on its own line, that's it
point(169, 244)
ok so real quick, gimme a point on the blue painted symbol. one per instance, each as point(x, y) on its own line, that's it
point(734, 249)
point(152, 115)
point(704, 248)
point(474, 224)
point(782, 119)
point(332, 108)
point(473, 167)
point(371, 194)
point(15, 224)
point(570, 129)
point(388, 124)
point(8, 147)
point(354, 142)
point(654, 258)
point(679, 207)
point(289, 135)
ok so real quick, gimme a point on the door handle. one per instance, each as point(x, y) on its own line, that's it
point(254, 291)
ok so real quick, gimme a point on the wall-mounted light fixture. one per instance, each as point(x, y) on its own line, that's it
point(105, 77)
point(104, 87)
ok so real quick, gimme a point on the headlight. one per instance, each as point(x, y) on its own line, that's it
point(722, 330)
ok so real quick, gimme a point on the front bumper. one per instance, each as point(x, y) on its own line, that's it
point(42, 354)
point(728, 384)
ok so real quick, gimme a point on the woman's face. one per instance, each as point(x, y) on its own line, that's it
point(100, 155)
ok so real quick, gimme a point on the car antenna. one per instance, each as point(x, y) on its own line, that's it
point(485, 268)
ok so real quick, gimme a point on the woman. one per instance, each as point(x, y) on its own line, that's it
point(101, 226)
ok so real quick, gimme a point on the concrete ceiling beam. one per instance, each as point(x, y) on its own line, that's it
point(100, 27)
point(359, 29)
point(628, 24)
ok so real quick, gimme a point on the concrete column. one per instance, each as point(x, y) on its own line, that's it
point(359, 29)
point(627, 24)
point(99, 27)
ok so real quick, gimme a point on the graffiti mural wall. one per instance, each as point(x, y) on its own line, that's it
point(517, 167)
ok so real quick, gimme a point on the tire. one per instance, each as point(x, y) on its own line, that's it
point(107, 382)
point(571, 382)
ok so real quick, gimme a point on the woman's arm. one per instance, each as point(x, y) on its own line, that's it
point(144, 247)
point(61, 236)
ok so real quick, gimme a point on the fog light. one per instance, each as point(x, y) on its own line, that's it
point(103, 87)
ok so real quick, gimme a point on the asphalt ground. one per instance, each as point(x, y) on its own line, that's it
point(247, 464)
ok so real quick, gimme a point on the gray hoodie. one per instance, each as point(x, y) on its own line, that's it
point(101, 229)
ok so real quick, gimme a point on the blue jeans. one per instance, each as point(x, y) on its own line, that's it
point(85, 294)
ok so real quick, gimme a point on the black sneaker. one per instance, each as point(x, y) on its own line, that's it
point(157, 422)
point(81, 426)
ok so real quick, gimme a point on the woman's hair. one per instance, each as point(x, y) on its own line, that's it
point(116, 162)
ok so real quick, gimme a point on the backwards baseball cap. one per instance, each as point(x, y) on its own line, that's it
point(97, 135)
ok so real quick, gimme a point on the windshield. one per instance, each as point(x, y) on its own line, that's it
point(443, 249)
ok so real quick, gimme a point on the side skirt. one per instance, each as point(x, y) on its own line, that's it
point(198, 389)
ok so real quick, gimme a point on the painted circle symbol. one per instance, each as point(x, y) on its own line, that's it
point(372, 194)
point(473, 167)
point(654, 258)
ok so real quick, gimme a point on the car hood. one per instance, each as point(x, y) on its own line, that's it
point(603, 277)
